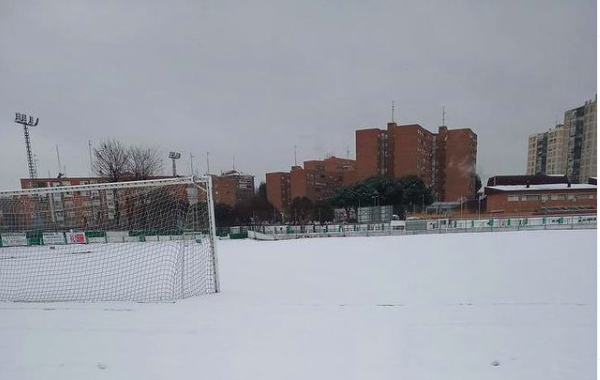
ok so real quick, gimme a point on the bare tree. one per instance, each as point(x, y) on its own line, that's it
point(144, 162)
point(112, 160)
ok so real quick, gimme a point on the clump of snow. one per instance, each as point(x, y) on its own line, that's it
point(412, 307)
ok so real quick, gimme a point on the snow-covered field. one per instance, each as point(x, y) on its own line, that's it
point(513, 305)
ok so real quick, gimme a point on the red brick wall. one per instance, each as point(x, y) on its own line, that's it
point(278, 189)
point(460, 164)
point(316, 185)
point(349, 177)
point(314, 165)
point(411, 148)
point(498, 201)
point(224, 190)
point(335, 164)
point(299, 182)
point(367, 153)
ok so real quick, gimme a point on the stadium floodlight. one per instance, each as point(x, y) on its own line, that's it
point(174, 156)
point(26, 122)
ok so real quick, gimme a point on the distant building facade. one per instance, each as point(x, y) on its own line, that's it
point(318, 180)
point(279, 189)
point(550, 199)
point(545, 152)
point(569, 148)
point(93, 208)
point(232, 187)
point(580, 153)
point(446, 161)
point(82, 208)
point(538, 194)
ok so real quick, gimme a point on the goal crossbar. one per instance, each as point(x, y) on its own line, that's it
point(108, 186)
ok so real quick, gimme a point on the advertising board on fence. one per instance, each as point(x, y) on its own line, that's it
point(53, 238)
point(75, 237)
point(96, 239)
point(14, 239)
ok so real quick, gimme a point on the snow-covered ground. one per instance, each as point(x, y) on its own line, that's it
point(513, 305)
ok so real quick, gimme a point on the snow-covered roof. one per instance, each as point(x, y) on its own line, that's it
point(554, 186)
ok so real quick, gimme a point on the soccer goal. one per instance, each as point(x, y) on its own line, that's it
point(143, 241)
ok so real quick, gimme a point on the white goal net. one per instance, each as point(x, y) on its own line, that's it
point(143, 241)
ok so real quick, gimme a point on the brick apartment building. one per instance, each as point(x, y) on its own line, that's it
point(232, 187)
point(81, 209)
point(454, 162)
point(84, 208)
point(446, 160)
point(279, 189)
point(78, 209)
point(317, 180)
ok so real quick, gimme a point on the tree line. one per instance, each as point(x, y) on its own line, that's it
point(404, 194)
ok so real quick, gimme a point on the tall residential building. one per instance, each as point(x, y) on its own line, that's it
point(580, 142)
point(569, 148)
point(455, 164)
point(411, 151)
point(446, 160)
point(279, 189)
point(545, 152)
point(372, 153)
point(555, 151)
point(317, 180)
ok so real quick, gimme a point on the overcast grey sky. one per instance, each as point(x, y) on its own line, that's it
point(255, 78)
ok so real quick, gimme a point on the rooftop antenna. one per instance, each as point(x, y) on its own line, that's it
point(59, 165)
point(443, 116)
point(90, 152)
point(191, 163)
point(295, 157)
point(347, 151)
point(207, 163)
point(234, 162)
point(21, 118)
point(393, 110)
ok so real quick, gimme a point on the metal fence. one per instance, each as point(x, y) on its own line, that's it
point(417, 227)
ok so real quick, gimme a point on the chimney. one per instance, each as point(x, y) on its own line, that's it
point(569, 183)
point(527, 184)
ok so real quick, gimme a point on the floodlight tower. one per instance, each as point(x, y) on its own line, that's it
point(21, 118)
point(174, 156)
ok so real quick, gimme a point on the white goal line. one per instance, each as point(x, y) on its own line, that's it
point(108, 186)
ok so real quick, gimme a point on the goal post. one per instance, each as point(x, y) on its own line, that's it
point(142, 241)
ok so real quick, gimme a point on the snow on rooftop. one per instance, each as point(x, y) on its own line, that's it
point(554, 186)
